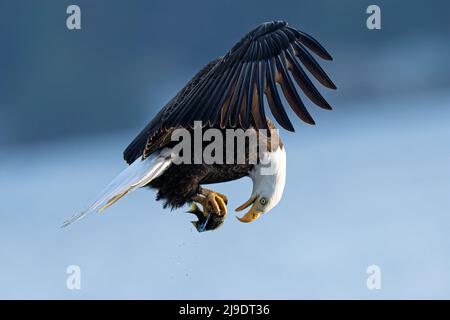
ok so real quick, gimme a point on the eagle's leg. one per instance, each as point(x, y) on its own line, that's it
point(212, 202)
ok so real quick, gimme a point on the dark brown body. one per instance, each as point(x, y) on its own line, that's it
point(180, 183)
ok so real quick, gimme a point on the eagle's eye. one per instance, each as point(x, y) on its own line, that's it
point(263, 201)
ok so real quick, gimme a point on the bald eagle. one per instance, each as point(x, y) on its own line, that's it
point(228, 93)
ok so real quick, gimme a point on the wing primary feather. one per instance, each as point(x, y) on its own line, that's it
point(305, 83)
point(249, 54)
point(219, 94)
point(204, 105)
point(265, 50)
point(275, 104)
point(224, 104)
point(211, 93)
point(291, 35)
point(225, 108)
point(198, 102)
point(185, 115)
point(236, 101)
point(241, 109)
point(273, 43)
point(294, 31)
point(313, 66)
point(245, 121)
point(259, 51)
point(251, 104)
point(233, 109)
point(313, 45)
point(291, 94)
point(282, 37)
point(258, 105)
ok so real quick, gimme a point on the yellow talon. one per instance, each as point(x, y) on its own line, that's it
point(212, 202)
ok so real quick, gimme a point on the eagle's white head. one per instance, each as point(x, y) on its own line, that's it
point(269, 177)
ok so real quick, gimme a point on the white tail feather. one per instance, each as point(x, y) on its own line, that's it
point(136, 175)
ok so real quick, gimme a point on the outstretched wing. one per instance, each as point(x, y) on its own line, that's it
point(229, 91)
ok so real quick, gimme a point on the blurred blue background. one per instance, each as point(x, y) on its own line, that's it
point(368, 185)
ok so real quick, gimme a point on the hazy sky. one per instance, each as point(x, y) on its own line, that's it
point(368, 185)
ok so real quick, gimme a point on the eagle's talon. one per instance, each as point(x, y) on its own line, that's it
point(212, 207)
point(212, 202)
point(223, 198)
point(220, 203)
point(214, 210)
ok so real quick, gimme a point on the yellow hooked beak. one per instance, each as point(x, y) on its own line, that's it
point(253, 213)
